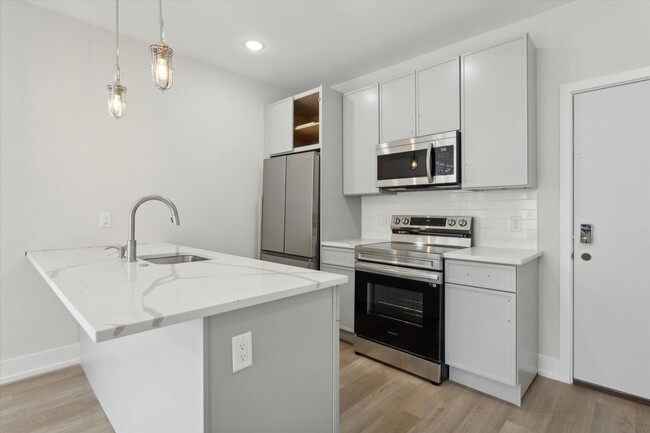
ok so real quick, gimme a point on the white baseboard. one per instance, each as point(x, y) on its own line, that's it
point(548, 367)
point(33, 364)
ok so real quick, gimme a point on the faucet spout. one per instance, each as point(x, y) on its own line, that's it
point(131, 243)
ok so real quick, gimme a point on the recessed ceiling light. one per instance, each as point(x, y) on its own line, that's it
point(254, 45)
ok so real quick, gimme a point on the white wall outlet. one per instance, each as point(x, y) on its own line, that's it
point(105, 219)
point(383, 219)
point(242, 351)
point(515, 223)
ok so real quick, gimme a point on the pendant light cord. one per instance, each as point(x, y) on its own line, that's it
point(117, 41)
point(161, 22)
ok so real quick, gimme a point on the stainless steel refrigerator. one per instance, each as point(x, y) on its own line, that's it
point(290, 210)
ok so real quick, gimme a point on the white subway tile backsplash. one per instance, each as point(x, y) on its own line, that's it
point(492, 212)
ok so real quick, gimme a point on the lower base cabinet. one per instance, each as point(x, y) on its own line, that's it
point(491, 327)
point(481, 332)
point(341, 261)
point(346, 297)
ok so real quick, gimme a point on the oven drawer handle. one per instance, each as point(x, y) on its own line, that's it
point(429, 277)
point(430, 264)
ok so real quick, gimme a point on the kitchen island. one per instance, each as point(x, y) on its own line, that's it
point(156, 339)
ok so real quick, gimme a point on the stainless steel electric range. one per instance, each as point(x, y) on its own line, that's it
point(399, 293)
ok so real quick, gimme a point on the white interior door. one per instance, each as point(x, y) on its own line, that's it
point(611, 275)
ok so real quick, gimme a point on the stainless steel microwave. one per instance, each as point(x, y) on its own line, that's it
point(428, 162)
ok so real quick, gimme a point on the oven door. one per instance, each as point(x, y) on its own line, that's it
point(400, 308)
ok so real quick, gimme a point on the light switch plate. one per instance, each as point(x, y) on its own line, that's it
point(105, 219)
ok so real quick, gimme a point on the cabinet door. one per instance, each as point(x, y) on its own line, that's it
point(360, 139)
point(397, 108)
point(438, 98)
point(480, 332)
point(495, 130)
point(346, 296)
point(279, 128)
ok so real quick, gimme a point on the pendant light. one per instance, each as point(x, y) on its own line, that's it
point(116, 91)
point(162, 72)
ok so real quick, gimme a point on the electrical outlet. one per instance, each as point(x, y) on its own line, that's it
point(383, 219)
point(515, 223)
point(105, 219)
point(242, 351)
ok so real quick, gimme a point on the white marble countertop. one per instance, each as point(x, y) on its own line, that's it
point(351, 243)
point(111, 298)
point(501, 256)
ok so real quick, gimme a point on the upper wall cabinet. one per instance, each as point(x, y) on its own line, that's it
point(293, 123)
point(438, 98)
point(279, 127)
point(397, 108)
point(360, 139)
point(499, 129)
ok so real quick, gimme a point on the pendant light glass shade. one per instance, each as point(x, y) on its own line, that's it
point(116, 91)
point(116, 100)
point(162, 72)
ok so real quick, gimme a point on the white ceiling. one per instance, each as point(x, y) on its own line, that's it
point(307, 42)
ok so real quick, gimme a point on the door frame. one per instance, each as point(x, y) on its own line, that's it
point(567, 92)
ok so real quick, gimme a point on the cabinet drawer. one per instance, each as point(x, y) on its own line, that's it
point(489, 276)
point(338, 257)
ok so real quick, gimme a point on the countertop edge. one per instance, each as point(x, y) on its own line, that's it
point(487, 258)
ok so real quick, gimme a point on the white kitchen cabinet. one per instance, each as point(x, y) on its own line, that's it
point(278, 137)
point(498, 116)
point(438, 98)
point(360, 139)
point(346, 296)
point(397, 108)
point(341, 261)
point(480, 328)
point(491, 326)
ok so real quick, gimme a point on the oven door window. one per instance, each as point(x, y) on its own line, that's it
point(395, 303)
point(401, 313)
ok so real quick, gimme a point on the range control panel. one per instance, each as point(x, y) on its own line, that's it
point(427, 223)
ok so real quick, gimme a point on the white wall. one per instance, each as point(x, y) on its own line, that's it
point(581, 40)
point(65, 160)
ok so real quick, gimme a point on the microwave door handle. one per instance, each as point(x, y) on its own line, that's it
point(429, 172)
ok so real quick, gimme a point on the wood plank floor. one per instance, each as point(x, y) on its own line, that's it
point(374, 398)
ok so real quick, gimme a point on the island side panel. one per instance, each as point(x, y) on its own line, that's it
point(292, 386)
point(152, 381)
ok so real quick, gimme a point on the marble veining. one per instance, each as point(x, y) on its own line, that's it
point(112, 298)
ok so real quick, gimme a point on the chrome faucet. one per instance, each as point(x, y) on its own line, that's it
point(131, 244)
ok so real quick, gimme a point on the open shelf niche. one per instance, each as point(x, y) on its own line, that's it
point(306, 120)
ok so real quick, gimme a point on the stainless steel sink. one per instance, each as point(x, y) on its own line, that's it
point(172, 259)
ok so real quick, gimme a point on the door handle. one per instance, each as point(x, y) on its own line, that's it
point(429, 173)
point(585, 256)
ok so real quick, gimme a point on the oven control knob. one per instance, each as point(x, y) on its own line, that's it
point(451, 222)
point(405, 221)
point(396, 220)
point(462, 223)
